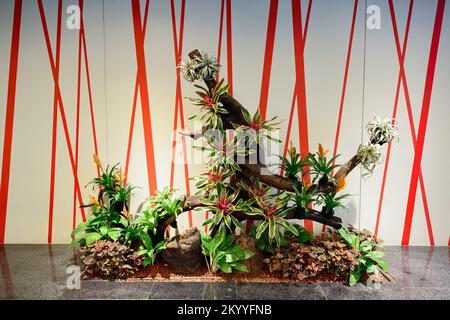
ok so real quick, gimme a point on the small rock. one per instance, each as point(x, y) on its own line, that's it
point(255, 263)
point(183, 253)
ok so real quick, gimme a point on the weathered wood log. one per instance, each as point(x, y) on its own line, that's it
point(260, 170)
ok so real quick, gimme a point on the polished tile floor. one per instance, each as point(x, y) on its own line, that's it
point(43, 272)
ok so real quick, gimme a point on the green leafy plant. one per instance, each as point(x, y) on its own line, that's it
point(369, 257)
point(305, 197)
point(210, 106)
point(221, 252)
point(264, 243)
point(110, 260)
point(304, 236)
point(149, 250)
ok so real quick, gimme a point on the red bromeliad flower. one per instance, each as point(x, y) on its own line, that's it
point(256, 124)
point(269, 211)
point(214, 175)
point(208, 101)
point(224, 204)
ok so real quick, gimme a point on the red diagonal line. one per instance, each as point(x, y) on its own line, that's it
point(394, 112)
point(344, 86)
point(60, 104)
point(9, 117)
point(133, 109)
point(54, 130)
point(6, 275)
point(178, 49)
point(301, 88)
point(219, 51)
point(229, 49)
point(267, 67)
point(294, 96)
point(411, 120)
point(423, 120)
point(77, 127)
point(88, 79)
point(143, 86)
point(219, 46)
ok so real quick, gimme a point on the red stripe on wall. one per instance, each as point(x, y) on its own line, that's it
point(9, 117)
point(133, 109)
point(88, 79)
point(394, 112)
point(219, 45)
point(301, 88)
point(178, 49)
point(145, 105)
point(60, 104)
point(54, 130)
point(344, 84)
point(267, 67)
point(411, 120)
point(77, 129)
point(229, 49)
point(423, 121)
point(294, 95)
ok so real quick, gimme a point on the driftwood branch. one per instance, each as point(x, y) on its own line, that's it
point(261, 171)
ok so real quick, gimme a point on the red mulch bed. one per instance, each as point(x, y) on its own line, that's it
point(160, 272)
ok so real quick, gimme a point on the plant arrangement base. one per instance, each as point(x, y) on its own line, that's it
point(161, 272)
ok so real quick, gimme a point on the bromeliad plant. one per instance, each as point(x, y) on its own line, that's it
point(293, 165)
point(222, 252)
point(210, 106)
point(274, 216)
point(321, 167)
point(223, 205)
point(256, 129)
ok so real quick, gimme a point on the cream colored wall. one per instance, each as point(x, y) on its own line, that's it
point(370, 91)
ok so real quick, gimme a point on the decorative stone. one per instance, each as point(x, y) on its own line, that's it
point(183, 253)
point(255, 263)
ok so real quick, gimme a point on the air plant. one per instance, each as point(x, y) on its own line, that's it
point(207, 66)
point(255, 128)
point(223, 205)
point(369, 155)
point(188, 69)
point(293, 165)
point(210, 106)
point(321, 167)
point(382, 131)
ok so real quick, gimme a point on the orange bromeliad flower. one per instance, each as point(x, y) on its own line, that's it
point(322, 153)
point(120, 177)
point(97, 161)
point(292, 150)
point(94, 201)
point(341, 184)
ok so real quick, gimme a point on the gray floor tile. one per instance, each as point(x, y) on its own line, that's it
point(177, 290)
